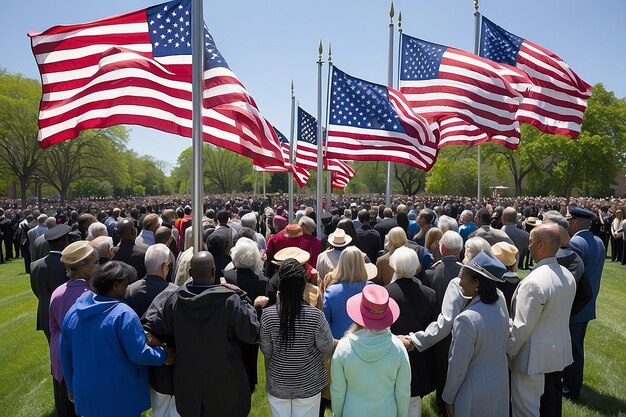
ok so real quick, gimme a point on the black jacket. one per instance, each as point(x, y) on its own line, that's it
point(132, 254)
point(46, 274)
point(369, 241)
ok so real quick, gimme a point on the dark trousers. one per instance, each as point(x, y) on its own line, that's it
point(26, 255)
point(573, 374)
point(551, 401)
point(618, 249)
point(64, 407)
point(8, 247)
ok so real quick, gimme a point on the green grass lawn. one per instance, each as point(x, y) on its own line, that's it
point(26, 386)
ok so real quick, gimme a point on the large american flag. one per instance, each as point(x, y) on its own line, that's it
point(472, 98)
point(341, 173)
point(284, 147)
point(371, 122)
point(135, 68)
point(557, 103)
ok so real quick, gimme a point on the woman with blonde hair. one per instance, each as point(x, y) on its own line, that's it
point(433, 236)
point(395, 239)
point(348, 279)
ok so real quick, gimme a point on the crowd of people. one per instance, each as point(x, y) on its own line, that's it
point(385, 306)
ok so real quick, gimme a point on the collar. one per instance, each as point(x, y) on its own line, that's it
point(55, 251)
point(546, 261)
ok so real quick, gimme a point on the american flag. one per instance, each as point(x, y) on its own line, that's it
point(306, 148)
point(341, 173)
point(135, 68)
point(472, 98)
point(371, 122)
point(557, 103)
point(284, 147)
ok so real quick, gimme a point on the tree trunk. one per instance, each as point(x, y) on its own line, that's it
point(23, 186)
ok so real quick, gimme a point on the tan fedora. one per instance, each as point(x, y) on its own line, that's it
point(298, 254)
point(505, 252)
point(339, 239)
point(76, 252)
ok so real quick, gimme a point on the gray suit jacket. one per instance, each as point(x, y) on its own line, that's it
point(41, 248)
point(492, 235)
point(540, 341)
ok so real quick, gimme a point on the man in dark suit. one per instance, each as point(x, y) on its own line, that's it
point(369, 239)
point(128, 251)
point(224, 230)
point(517, 235)
point(6, 230)
point(47, 273)
point(41, 247)
point(386, 224)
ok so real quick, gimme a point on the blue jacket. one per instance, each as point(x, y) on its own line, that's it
point(104, 356)
point(591, 250)
point(335, 298)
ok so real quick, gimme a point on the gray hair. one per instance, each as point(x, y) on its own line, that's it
point(307, 223)
point(474, 246)
point(467, 213)
point(246, 255)
point(405, 262)
point(103, 246)
point(554, 216)
point(156, 255)
point(50, 222)
point(249, 220)
point(95, 230)
point(446, 223)
point(452, 241)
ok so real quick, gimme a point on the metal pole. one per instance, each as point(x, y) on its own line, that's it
point(264, 194)
point(476, 47)
point(390, 84)
point(256, 182)
point(329, 180)
point(291, 142)
point(320, 166)
point(197, 174)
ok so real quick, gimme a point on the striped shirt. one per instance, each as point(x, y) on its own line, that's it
point(297, 371)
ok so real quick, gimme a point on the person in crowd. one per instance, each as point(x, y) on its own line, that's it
point(446, 223)
point(539, 345)
point(477, 380)
point(149, 227)
point(617, 236)
point(507, 254)
point(369, 239)
point(41, 247)
point(328, 260)
point(250, 220)
point(431, 242)
point(425, 220)
point(490, 234)
point(6, 232)
point(48, 273)
point(309, 242)
point(467, 225)
point(311, 291)
point(216, 245)
point(103, 349)
point(248, 275)
point(402, 219)
point(385, 224)
point(295, 338)
point(395, 239)
point(84, 221)
point(103, 246)
point(370, 369)
point(128, 251)
point(39, 229)
point(418, 307)
point(591, 250)
point(348, 278)
point(95, 230)
point(517, 235)
point(202, 314)
point(80, 260)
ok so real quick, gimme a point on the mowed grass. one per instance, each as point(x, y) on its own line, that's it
point(26, 385)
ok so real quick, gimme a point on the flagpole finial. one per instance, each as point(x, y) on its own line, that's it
point(391, 13)
point(320, 50)
point(330, 52)
point(475, 6)
point(400, 22)
point(292, 90)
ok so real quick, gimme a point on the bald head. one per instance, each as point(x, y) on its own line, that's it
point(126, 229)
point(509, 216)
point(202, 268)
point(545, 241)
point(162, 235)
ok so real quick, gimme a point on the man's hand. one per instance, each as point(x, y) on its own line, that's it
point(230, 286)
point(450, 410)
point(171, 355)
point(408, 344)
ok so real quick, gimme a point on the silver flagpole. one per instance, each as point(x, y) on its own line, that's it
point(197, 174)
point(390, 84)
point(329, 181)
point(476, 47)
point(320, 167)
point(291, 143)
point(256, 182)
point(264, 194)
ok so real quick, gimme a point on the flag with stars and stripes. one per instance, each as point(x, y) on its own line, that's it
point(472, 99)
point(135, 68)
point(341, 173)
point(557, 102)
point(306, 147)
point(371, 122)
point(284, 147)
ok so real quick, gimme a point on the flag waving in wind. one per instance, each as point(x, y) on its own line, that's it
point(284, 147)
point(135, 68)
point(559, 100)
point(371, 122)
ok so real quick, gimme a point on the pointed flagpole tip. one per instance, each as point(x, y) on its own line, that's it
point(320, 50)
point(391, 12)
point(400, 21)
point(292, 90)
point(330, 51)
point(475, 6)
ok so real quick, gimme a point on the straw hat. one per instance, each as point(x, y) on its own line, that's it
point(371, 270)
point(292, 231)
point(339, 239)
point(505, 252)
point(298, 254)
point(76, 252)
point(372, 308)
point(533, 221)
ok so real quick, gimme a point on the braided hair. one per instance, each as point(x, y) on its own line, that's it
point(291, 282)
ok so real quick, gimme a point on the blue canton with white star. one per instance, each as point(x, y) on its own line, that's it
point(169, 25)
point(497, 44)
point(307, 127)
point(420, 59)
point(361, 104)
point(282, 138)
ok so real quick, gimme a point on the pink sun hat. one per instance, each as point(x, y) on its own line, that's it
point(372, 308)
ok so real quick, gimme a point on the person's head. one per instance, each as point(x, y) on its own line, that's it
point(507, 254)
point(103, 246)
point(387, 212)
point(57, 237)
point(425, 217)
point(41, 219)
point(474, 246)
point(157, 260)
point(202, 268)
point(402, 219)
point(112, 278)
point(339, 239)
point(483, 217)
point(279, 223)
point(372, 308)
point(395, 238)
point(187, 210)
point(509, 216)
point(351, 266)
point(79, 259)
point(307, 225)
point(579, 219)
point(151, 222)
point(84, 221)
point(291, 283)
point(50, 222)
point(348, 226)
point(364, 217)
point(467, 216)
point(405, 263)
point(432, 238)
point(223, 216)
point(554, 217)
point(450, 244)
point(619, 214)
point(95, 230)
point(249, 220)
point(163, 235)
point(544, 241)
point(246, 255)
point(479, 277)
point(446, 223)
point(168, 216)
point(126, 229)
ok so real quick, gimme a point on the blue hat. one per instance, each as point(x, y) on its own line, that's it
point(575, 212)
point(487, 266)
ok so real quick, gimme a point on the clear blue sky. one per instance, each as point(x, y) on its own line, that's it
point(268, 43)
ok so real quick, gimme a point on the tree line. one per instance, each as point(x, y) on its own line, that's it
point(99, 163)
